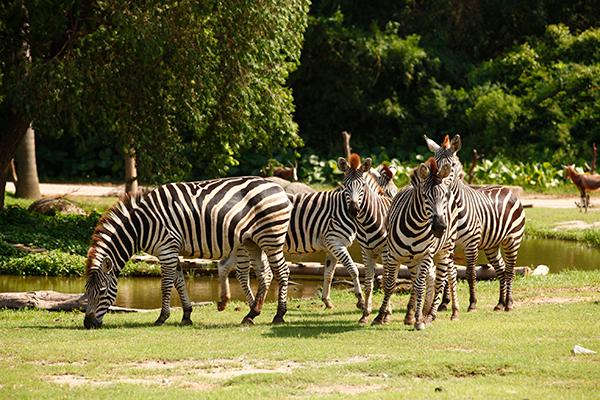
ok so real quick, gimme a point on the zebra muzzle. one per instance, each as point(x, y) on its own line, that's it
point(91, 322)
point(438, 226)
point(353, 208)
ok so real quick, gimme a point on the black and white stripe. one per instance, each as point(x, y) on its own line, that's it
point(421, 233)
point(211, 219)
point(490, 219)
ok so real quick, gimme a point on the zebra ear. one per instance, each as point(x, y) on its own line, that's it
point(444, 171)
point(433, 146)
point(423, 171)
point(342, 164)
point(366, 165)
point(455, 143)
point(107, 265)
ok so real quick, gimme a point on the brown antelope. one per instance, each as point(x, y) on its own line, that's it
point(585, 183)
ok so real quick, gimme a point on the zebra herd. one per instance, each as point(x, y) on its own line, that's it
point(251, 222)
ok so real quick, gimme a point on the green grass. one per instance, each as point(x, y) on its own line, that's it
point(318, 353)
point(541, 223)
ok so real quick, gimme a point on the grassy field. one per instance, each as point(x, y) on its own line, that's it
point(525, 354)
point(543, 223)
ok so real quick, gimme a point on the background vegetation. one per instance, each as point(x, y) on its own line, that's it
point(516, 79)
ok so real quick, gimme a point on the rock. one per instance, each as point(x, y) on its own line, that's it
point(541, 270)
point(577, 349)
point(54, 205)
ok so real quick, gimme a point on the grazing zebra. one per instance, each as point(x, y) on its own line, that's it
point(421, 232)
point(489, 219)
point(210, 219)
point(324, 221)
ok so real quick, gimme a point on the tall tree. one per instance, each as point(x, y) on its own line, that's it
point(28, 184)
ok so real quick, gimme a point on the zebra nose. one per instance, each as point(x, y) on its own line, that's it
point(353, 208)
point(438, 226)
point(90, 321)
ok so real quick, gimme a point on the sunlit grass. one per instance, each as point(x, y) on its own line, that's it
point(486, 354)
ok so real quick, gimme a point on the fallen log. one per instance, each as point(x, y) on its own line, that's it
point(57, 301)
point(315, 269)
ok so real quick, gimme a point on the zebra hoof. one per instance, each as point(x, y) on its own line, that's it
point(419, 326)
point(363, 320)
point(278, 320)
point(377, 321)
point(499, 307)
point(454, 316)
point(360, 304)
point(508, 308)
point(247, 321)
point(387, 317)
point(161, 319)
point(328, 303)
point(443, 307)
point(472, 307)
point(186, 322)
point(409, 321)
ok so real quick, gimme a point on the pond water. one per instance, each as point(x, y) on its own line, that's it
point(145, 292)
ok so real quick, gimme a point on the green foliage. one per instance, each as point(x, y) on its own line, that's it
point(502, 171)
point(68, 233)
point(51, 263)
point(186, 84)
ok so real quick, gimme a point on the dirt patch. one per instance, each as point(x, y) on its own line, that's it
point(576, 224)
point(343, 389)
point(550, 300)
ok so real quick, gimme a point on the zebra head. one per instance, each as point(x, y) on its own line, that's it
point(435, 192)
point(354, 181)
point(446, 153)
point(100, 288)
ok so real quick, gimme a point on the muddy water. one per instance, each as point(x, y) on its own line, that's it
point(145, 292)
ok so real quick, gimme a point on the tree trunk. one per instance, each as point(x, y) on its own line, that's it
point(28, 184)
point(131, 182)
point(12, 129)
point(347, 148)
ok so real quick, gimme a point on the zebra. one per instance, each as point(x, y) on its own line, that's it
point(209, 219)
point(421, 232)
point(325, 221)
point(490, 218)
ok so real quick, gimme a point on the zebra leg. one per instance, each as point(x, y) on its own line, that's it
point(330, 263)
point(264, 280)
point(389, 278)
point(495, 258)
point(282, 274)
point(242, 273)
point(441, 282)
point(511, 248)
point(168, 266)
point(183, 296)
point(452, 289)
point(445, 300)
point(419, 289)
point(369, 259)
point(409, 318)
point(471, 253)
point(225, 266)
point(343, 256)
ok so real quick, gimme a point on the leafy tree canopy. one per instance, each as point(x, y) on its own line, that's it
point(180, 82)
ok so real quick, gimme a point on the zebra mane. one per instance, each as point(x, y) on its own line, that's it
point(446, 142)
point(127, 202)
point(354, 161)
